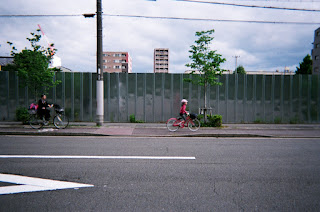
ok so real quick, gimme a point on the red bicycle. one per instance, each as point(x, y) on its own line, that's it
point(173, 124)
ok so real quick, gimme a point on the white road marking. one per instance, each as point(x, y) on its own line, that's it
point(97, 157)
point(33, 184)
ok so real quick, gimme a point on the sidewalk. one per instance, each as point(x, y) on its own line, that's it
point(160, 130)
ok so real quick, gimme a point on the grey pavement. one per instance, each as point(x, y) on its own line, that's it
point(160, 130)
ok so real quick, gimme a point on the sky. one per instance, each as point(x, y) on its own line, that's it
point(261, 46)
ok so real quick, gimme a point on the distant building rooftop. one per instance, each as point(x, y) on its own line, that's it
point(5, 60)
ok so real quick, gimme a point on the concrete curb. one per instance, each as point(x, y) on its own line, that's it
point(164, 136)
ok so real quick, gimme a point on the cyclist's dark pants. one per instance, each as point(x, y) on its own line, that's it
point(183, 116)
point(45, 113)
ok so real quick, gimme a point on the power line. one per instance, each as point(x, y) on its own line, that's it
point(166, 18)
point(296, 1)
point(217, 20)
point(251, 6)
point(34, 16)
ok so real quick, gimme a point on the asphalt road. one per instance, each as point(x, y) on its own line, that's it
point(227, 174)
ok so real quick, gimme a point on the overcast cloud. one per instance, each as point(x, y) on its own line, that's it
point(266, 47)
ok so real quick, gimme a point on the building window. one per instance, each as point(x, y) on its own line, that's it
point(317, 57)
point(318, 45)
point(117, 67)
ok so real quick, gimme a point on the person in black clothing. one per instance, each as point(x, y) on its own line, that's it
point(44, 107)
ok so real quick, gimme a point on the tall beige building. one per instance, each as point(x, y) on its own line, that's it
point(117, 62)
point(316, 53)
point(161, 60)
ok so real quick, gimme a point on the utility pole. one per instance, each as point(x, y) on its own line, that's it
point(100, 86)
point(236, 58)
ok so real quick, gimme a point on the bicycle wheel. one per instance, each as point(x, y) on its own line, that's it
point(173, 124)
point(194, 124)
point(35, 122)
point(61, 121)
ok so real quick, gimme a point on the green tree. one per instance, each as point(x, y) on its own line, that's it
point(33, 65)
point(205, 61)
point(240, 70)
point(305, 67)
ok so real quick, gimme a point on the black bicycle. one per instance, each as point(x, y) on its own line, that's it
point(60, 120)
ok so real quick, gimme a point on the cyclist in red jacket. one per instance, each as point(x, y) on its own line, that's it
point(183, 112)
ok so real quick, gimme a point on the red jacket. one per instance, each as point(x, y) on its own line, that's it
point(183, 109)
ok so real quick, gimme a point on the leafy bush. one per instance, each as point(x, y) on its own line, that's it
point(277, 120)
point(258, 121)
point(132, 119)
point(212, 121)
point(295, 120)
point(22, 114)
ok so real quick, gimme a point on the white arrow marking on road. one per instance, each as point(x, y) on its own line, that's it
point(97, 157)
point(32, 184)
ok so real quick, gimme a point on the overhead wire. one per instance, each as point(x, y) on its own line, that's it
point(251, 6)
point(217, 20)
point(167, 18)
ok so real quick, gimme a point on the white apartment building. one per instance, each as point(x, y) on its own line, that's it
point(161, 60)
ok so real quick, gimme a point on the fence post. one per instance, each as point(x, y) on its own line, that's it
point(54, 95)
point(108, 97)
point(181, 86)
point(136, 94)
point(127, 96)
point(227, 95)
point(264, 96)
point(144, 96)
point(118, 94)
point(291, 97)
point(162, 96)
point(90, 96)
point(318, 98)
point(282, 97)
point(81, 96)
point(17, 89)
point(254, 101)
point(7, 97)
point(300, 96)
point(171, 87)
point(272, 95)
point(190, 89)
point(218, 95)
point(72, 96)
point(153, 96)
point(309, 98)
point(235, 97)
point(245, 84)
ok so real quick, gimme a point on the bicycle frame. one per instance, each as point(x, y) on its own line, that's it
point(183, 123)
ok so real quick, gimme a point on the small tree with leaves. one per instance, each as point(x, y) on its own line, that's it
point(205, 63)
point(305, 67)
point(33, 65)
point(240, 70)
